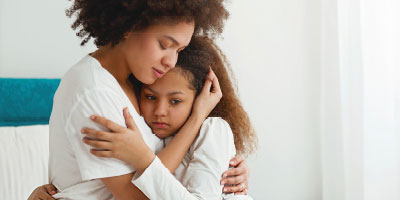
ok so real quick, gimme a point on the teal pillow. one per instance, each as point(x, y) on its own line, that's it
point(26, 101)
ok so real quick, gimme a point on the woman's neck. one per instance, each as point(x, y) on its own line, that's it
point(113, 61)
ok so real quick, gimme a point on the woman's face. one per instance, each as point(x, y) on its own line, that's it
point(166, 104)
point(152, 52)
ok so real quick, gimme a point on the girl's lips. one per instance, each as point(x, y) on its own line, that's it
point(158, 73)
point(160, 125)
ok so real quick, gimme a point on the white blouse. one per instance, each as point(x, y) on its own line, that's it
point(86, 89)
point(198, 175)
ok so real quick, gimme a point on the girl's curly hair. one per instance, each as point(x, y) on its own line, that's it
point(194, 63)
point(108, 20)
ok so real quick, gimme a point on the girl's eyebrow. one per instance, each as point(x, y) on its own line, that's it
point(169, 94)
point(148, 88)
point(175, 92)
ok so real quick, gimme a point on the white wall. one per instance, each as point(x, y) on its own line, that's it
point(36, 39)
point(273, 47)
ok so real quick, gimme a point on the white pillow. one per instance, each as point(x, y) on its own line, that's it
point(24, 157)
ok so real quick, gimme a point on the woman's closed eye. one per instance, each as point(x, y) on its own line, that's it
point(162, 46)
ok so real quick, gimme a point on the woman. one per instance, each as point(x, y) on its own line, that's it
point(142, 38)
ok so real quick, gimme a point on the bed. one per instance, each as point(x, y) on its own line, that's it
point(25, 108)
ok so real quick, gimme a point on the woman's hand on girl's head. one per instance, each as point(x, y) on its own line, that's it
point(43, 192)
point(122, 143)
point(236, 179)
point(208, 98)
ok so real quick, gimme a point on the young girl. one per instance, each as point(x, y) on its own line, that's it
point(166, 105)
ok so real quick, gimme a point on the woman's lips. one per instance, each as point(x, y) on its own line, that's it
point(161, 125)
point(158, 73)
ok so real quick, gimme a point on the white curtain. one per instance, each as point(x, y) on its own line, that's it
point(360, 100)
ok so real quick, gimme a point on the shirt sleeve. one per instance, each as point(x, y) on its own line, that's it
point(210, 154)
point(101, 102)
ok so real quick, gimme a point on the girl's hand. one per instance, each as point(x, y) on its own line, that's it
point(208, 98)
point(43, 192)
point(236, 179)
point(122, 143)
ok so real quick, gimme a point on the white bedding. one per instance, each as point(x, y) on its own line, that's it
point(24, 155)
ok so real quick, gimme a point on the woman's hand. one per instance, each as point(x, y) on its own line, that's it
point(236, 179)
point(208, 98)
point(122, 143)
point(43, 192)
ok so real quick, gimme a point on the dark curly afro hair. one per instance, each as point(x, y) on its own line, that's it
point(108, 20)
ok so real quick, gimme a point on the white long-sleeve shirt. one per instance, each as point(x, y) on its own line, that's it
point(198, 175)
point(86, 89)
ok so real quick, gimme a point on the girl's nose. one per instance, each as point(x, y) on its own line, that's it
point(161, 109)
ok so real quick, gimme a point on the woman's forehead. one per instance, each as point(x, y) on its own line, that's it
point(180, 33)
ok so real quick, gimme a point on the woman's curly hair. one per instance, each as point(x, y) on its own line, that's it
point(108, 20)
point(194, 63)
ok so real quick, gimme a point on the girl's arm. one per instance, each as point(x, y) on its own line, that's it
point(174, 152)
point(128, 145)
point(200, 176)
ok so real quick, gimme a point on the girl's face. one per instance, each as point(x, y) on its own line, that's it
point(166, 104)
point(150, 53)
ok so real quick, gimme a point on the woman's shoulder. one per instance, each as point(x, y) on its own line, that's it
point(87, 76)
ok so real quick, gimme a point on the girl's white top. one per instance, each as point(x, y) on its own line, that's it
point(198, 175)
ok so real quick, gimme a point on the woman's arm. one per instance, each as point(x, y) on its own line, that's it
point(132, 149)
point(209, 157)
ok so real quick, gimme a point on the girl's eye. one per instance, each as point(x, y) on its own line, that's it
point(151, 98)
point(175, 101)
